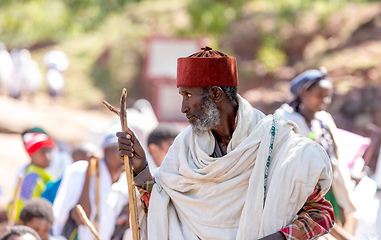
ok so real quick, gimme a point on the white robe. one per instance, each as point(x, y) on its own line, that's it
point(200, 197)
point(112, 199)
point(342, 186)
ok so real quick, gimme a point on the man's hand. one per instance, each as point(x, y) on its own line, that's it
point(130, 146)
point(275, 236)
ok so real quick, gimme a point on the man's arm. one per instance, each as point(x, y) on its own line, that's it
point(316, 218)
point(144, 183)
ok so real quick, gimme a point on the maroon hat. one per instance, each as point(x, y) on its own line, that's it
point(207, 68)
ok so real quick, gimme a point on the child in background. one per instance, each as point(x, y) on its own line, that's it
point(20, 233)
point(39, 147)
point(38, 215)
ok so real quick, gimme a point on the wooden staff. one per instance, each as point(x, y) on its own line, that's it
point(127, 166)
point(15, 202)
point(87, 222)
point(94, 164)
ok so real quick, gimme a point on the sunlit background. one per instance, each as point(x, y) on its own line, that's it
point(109, 44)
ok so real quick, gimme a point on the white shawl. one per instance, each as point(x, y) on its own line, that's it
point(342, 186)
point(200, 197)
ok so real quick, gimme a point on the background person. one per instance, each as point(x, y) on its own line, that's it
point(38, 215)
point(79, 186)
point(57, 61)
point(20, 233)
point(159, 141)
point(311, 94)
point(6, 68)
point(39, 147)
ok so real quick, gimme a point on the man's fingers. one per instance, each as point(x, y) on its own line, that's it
point(124, 135)
point(128, 134)
point(124, 141)
point(122, 153)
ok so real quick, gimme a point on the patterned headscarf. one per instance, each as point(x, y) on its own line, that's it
point(304, 81)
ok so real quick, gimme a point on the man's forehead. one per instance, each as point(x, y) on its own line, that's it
point(191, 89)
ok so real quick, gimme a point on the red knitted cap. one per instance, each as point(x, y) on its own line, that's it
point(207, 68)
point(36, 141)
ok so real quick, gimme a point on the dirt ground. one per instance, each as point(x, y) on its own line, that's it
point(71, 126)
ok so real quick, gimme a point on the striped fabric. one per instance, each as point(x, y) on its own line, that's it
point(313, 220)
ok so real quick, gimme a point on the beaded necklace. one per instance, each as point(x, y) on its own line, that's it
point(271, 148)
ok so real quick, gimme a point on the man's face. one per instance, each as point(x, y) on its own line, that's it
point(41, 226)
point(201, 111)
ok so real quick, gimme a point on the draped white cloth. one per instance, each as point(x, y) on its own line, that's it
point(113, 196)
point(342, 186)
point(200, 197)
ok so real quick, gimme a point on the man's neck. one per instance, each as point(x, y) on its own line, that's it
point(223, 132)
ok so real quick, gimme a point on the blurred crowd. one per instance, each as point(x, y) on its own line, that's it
point(91, 174)
point(58, 177)
point(20, 75)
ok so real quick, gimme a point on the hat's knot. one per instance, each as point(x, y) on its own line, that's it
point(208, 52)
point(206, 48)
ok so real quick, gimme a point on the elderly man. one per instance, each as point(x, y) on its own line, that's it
point(234, 173)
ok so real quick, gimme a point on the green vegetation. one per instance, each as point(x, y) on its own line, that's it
point(106, 40)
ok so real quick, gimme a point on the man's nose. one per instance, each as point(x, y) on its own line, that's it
point(184, 107)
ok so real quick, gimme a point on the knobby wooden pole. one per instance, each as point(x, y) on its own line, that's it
point(127, 166)
point(94, 164)
point(87, 222)
point(15, 202)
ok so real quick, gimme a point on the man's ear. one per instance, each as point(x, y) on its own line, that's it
point(216, 94)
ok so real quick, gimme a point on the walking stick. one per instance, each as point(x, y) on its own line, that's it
point(127, 166)
point(87, 222)
point(94, 164)
point(15, 202)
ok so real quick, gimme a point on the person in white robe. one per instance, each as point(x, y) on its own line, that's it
point(310, 95)
point(234, 173)
point(112, 193)
point(6, 68)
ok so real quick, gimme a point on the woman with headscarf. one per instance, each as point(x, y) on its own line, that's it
point(311, 93)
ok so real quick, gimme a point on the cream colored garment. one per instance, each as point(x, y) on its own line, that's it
point(341, 185)
point(113, 196)
point(200, 197)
